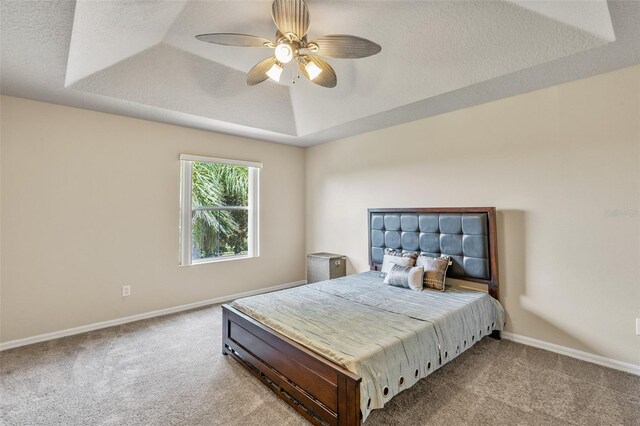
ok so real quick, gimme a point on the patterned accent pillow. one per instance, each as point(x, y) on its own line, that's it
point(399, 258)
point(405, 276)
point(435, 270)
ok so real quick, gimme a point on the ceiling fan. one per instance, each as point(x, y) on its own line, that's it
point(292, 21)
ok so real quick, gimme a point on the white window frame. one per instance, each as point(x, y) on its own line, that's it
point(186, 208)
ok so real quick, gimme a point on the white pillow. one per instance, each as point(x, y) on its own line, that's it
point(399, 258)
point(405, 276)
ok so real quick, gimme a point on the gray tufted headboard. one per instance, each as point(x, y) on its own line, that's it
point(466, 234)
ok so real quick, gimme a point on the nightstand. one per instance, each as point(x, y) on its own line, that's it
point(325, 266)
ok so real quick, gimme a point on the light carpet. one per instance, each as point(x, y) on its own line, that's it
point(170, 371)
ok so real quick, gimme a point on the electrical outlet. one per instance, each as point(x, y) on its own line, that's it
point(638, 326)
point(126, 290)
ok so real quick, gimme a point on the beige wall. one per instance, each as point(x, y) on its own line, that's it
point(553, 162)
point(90, 203)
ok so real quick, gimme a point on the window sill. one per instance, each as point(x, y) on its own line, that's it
point(218, 259)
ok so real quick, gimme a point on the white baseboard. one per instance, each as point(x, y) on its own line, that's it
point(574, 353)
point(562, 350)
point(118, 321)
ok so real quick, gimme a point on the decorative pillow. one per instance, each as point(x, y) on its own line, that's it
point(399, 258)
point(405, 276)
point(435, 270)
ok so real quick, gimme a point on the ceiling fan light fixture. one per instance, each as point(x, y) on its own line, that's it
point(291, 18)
point(312, 70)
point(284, 53)
point(275, 71)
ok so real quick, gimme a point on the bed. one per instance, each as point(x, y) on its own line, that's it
point(337, 349)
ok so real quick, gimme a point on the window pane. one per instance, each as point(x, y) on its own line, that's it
point(216, 184)
point(235, 242)
point(218, 233)
point(205, 237)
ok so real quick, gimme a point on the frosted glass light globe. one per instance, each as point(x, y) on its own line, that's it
point(274, 72)
point(284, 53)
point(312, 70)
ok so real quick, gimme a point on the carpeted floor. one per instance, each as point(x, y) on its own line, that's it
point(169, 371)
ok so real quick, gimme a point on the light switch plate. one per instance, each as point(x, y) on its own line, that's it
point(638, 326)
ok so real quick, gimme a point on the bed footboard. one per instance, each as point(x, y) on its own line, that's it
point(321, 391)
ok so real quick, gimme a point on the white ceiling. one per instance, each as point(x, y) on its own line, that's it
point(140, 58)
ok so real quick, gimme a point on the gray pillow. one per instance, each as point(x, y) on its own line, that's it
point(435, 270)
point(405, 276)
point(399, 258)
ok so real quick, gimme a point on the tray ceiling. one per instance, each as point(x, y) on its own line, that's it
point(140, 58)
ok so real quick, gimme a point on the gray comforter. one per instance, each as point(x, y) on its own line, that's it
point(389, 336)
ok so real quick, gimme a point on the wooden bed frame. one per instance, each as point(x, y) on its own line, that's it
point(323, 392)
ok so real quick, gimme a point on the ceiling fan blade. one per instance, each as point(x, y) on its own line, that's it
point(345, 46)
point(258, 73)
point(233, 39)
point(291, 16)
point(327, 78)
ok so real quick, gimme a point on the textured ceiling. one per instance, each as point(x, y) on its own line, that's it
point(140, 58)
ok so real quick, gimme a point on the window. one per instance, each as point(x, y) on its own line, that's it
point(218, 209)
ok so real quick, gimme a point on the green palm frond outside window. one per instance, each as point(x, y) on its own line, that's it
point(220, 204)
